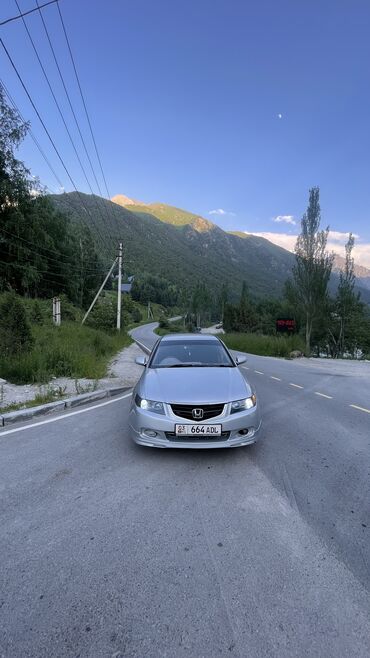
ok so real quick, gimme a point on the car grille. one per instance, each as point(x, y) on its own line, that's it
point(171, 436)
point(209, 411)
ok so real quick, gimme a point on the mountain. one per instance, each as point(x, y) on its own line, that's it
point(362, 273)
point(179, 246)
point(123, 200)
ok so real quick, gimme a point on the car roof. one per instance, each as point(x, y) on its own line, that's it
point(188, 338)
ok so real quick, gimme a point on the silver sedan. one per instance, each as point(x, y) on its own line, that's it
point(192, 395)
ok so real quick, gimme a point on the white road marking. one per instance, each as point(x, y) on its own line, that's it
point(277, 379)
point(295, 385)
point(143, 347)
point(245, 367)
point(259, 372)
point(323, 395)
point(355, 406)
point(71, 413)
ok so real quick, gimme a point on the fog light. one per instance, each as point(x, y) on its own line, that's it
point(150, 433)
point(243, 432)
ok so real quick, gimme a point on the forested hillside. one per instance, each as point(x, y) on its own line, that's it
point(184, 252)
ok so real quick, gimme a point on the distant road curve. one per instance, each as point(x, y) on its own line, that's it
point(145, 336)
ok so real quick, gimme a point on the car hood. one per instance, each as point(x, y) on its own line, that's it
point(194, 385)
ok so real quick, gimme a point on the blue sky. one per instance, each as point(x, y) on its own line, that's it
point(185, 99)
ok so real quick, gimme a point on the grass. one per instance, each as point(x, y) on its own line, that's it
point(70, 350)
point(261, 345)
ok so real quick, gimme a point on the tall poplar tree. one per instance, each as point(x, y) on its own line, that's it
point(308, 288)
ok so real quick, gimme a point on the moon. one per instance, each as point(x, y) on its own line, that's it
point(280, 116)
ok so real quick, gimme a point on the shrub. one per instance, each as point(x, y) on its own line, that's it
point(163, 323)
point(136, 315)
point(104, 315)
point(15, 331)
point(35, 313)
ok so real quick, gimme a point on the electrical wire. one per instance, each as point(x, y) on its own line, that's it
point(59, 109)
point(82, 97)
point(43, 124)
point(68, 97)
point(59, 259)
point(72, 109)
point(37, 144)
point(30, 11)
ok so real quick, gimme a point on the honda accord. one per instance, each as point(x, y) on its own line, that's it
point(193, 395)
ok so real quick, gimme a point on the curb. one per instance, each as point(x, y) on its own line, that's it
point(59, 405)
point(143, 347)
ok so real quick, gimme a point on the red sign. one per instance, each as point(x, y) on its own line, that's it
point(286, 324)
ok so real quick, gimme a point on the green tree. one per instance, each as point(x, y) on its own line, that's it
point(247, 317)
point(41, 254)
point(347, 301)
point(201, 302)
point(104, 314)
point(15, 331)
point(230, 321)
point(223, 299)
point(308, 288)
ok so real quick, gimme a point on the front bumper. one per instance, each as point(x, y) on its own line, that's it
point(142, 421)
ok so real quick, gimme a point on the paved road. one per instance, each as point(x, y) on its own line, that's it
point(108, 549)
point(144, 335)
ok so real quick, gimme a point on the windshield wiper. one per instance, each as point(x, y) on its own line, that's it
point(184, 365)
point(215, 365)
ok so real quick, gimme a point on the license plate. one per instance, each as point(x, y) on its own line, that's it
point(198, 430)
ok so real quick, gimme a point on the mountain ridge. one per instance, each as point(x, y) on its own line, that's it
point(182, 247)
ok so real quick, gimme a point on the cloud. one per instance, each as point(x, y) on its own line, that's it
point(221, 211)
point(336, 242)
point(338, 236)
point(285, 240)
point(285, 219)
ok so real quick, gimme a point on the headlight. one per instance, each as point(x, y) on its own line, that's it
point(242, 405)
point(149, 405)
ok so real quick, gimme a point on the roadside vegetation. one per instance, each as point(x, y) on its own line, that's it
point(280, 346)
point(165, 327)
point(33, 350)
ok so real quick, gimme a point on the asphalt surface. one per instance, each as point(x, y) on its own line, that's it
point(109, 549)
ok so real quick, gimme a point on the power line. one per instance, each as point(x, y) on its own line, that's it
point(60, 259)
point(30, 11)
point(48, 271)
point(86, 111)
point(43, 278)
point(37, 144)
point(43, 124)
point(83, 99)
point(67, 94)
point(71, 105)
point(58, 106)
point(31, 134)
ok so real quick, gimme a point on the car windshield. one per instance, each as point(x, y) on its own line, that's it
point(195, 353)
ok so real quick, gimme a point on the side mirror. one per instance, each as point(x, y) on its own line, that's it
point(239, 359)
point(141, 360)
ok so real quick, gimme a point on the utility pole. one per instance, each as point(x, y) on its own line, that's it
point(99, 291)
point(119, 298)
